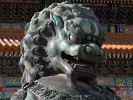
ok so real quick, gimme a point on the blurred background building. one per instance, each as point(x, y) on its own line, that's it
point(116, 18)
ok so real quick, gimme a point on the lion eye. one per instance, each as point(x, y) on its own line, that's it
point(74, 39)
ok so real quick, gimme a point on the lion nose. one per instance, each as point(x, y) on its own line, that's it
point(92, 48)
point(88, 49)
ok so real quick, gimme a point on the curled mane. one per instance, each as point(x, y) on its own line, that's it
point(43, 28)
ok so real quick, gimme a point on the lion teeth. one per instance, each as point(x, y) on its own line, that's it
point(66, 60)
point(74, 66)
point(77, 58)
point(66, 53)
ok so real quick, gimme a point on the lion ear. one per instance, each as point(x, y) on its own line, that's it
point(59, 24)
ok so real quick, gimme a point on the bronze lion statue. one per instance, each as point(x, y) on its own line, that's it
point(61, 46)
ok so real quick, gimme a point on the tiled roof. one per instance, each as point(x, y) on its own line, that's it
point(118, 43)
point(118, 46)
point(118, 50)
point(10, 42)
point(10, 46)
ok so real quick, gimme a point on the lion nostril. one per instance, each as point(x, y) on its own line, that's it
point(88, 49)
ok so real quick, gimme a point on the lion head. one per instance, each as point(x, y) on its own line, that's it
point(65, 37)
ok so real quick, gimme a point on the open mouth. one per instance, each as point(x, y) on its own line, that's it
point(74, 61)
point(83, 69)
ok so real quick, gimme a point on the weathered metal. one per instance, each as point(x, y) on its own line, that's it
point(61, 46)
